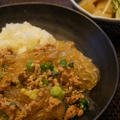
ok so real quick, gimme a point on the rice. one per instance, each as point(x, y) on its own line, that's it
point(22, 36)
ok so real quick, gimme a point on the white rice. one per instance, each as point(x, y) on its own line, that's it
point(21, 36)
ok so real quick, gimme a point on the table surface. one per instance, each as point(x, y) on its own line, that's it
point(113, 110)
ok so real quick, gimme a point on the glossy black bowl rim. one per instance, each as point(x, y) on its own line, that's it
point(86, 17)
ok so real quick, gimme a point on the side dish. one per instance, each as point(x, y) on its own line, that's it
point(105, 8)
point(46, 79)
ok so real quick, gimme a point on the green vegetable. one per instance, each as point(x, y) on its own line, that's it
point(45, 81)
point(54, 73)
point(116, 5)
point(29, 67)
point(83, 107)
point(63, 63)
point(1, 75)
point(41, 84)
point(17, 82)
point(57, 91)
point(5, 116)
point(71, 64)
point(33, 94)
point(43, 67)
point(47, 65)
point(116, 8)
point(83, 104)
point(23, 91)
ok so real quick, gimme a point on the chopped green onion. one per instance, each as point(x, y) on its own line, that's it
point(83, 107)
point(40, 83)
point(45, 81)
point(57, 91)
point(56, 69)
point(43, 67)
point(33, 94)
point(54, 73)
point(1, 75)
point(16, 82)
point(47, 65)
point(116, 5)
point(5, 116)
point(23, 90)
point(63, 63)
point(71, 64)
point(29, 67)
point(84, 102)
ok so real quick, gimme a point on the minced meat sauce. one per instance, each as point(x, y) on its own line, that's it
point(45, 83)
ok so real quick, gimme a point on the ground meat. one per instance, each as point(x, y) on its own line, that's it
point(3, 86)
point(6, 56)
point(22, 76)
point(80, 112)
point(74, 97)
point(37, 70)
point(53, 102)
point(55, 82)
point(60, 68)
point(31, 90)
point(72, 111)
point(3, 103)
point(29, 106)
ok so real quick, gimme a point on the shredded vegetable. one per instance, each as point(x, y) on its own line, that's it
point(104, 8)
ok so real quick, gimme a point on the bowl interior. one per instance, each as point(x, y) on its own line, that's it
point(65, 24)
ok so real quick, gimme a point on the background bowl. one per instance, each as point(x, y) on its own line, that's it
point(66, 24)
point(110, 25)
point(75, 3)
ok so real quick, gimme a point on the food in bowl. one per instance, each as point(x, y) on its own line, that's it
point(50, 80)
point(105, 8)
point(21, 37)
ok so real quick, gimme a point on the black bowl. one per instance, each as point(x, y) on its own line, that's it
point(66, 24)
